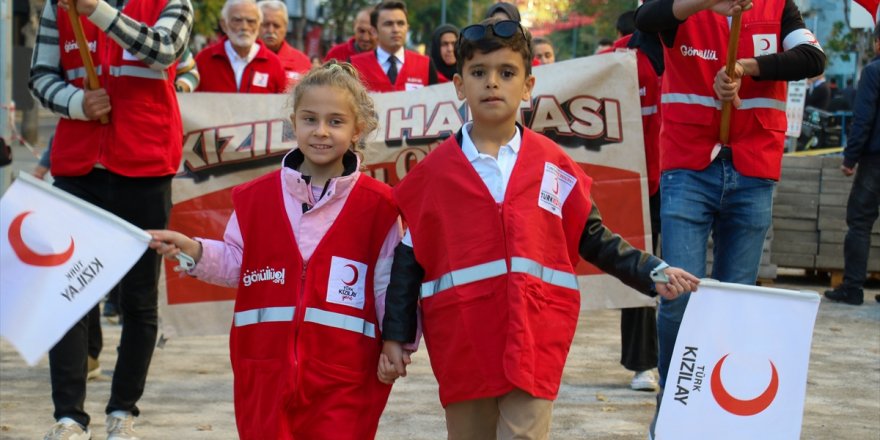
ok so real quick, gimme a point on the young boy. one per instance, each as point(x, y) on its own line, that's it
point(497, 217)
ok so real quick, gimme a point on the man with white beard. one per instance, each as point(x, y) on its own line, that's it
point(239, 63)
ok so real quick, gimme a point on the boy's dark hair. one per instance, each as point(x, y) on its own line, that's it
point(606, 42)
point(505, 8)
point(385, 6)
point(519, 42)
point(626, 23)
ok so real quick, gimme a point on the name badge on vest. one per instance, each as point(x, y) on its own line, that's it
point(765, 44)
point(556, 185)
point(347, 283)
point(413, 85)
point(261, 79)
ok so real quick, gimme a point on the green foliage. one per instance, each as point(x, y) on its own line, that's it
point(846, 43)
point(425, 16)
point(207, 16)
point(340, 16)
point(605, 26)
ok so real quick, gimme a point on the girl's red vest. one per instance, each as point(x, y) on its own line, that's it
point(500, 300)
point(305, 340)
point(144, 137)
point(414, 73)
point(691, 113)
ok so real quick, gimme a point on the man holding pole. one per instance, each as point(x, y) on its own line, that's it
point(117, 145)
point(709, 183)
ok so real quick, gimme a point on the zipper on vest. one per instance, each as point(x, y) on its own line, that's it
point(504, 236)
point(300, 311)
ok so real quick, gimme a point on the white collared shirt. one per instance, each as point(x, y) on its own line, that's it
point(495, 173)
point(238, 63)
point(383, 57)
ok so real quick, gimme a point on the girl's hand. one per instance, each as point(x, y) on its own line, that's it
point(170, 243)
point(387, 373)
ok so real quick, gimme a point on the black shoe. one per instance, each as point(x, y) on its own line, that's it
point(853, 297)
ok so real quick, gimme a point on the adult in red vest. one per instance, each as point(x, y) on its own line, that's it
point(272, 31)
point(638, 325)
point(705, 187)
point(364, 39)
point(239, 63)
point(391, 68)
point(124, 166)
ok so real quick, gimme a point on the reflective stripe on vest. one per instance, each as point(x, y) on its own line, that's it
point(546, 274)
point(464, 276)
point(647, 111)
point(340, 321)
point(139, 72)
point(495, 268)
point(708, 101)
point(268, 314)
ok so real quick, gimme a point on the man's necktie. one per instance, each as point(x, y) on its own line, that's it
point(392, 70)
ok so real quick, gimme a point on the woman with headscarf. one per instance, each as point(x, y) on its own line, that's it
point(443, 51)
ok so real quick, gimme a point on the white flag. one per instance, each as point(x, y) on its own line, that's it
point(739, 369)
point(58, 257)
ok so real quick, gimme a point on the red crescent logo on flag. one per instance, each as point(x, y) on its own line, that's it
point(743, 407)
point(26, 254)
point(766, 44)
point(354, 276)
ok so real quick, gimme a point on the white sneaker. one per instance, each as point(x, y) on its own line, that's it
point(120, 426)
point(67, 429)
point(644, 381)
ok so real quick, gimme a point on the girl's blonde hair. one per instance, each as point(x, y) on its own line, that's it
point(343, 76)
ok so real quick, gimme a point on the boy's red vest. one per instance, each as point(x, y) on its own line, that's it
point(305, 340)
point(500, 300)
point(691, 113)
point(144, 137)
point(413, 74)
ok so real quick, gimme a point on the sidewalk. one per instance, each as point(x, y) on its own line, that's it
point(189, 390)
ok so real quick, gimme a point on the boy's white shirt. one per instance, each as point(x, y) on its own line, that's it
point(495, 173)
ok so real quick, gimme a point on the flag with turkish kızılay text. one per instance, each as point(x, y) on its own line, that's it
point(59, 255)
point(739, 368)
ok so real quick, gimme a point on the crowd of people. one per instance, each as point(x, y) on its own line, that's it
point(496, 296)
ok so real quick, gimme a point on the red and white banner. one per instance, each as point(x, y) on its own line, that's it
point(589, 106)
point(58, 257)
point(739, 369)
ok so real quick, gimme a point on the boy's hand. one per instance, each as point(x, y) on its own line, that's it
point(727, 88)
point(397, 359)
point(170, 243)
point(680, 282)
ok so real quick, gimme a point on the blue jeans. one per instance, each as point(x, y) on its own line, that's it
point(735, 208)
point(861, 213)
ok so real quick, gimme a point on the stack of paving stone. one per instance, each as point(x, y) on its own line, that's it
point(795, 241)
point(833, 194)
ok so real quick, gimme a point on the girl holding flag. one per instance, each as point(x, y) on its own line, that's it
point(310, 249)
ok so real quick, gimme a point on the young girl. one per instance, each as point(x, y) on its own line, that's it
point(310, 249)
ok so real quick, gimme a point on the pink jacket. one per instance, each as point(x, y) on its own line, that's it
point(221, 260)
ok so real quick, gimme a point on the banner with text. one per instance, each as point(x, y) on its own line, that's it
point(739, 368)
point(589, 106)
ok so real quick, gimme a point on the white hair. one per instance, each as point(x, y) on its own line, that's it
point(275, 5)
point(224, 13)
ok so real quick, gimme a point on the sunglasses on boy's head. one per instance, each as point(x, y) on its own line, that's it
point(501, 29)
